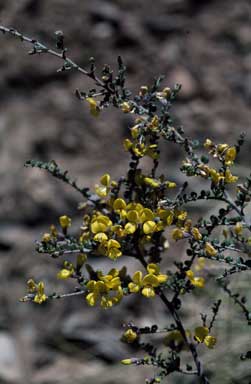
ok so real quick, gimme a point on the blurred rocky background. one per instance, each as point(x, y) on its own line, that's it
point(206, 46)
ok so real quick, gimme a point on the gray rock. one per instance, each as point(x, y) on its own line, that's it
point(10, 365)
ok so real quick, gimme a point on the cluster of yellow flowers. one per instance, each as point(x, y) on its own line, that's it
point(38, 290)
point(174, 339)
point(185, 229)
point(107, 289)
point(138, 145)
point(201, 335)
point(225, 154)
point(131, 217)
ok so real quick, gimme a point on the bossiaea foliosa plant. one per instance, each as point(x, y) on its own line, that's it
point(136, 215)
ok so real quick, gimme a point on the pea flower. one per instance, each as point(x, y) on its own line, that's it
point(196, 281)
point(94, 109)
point(210, 250)
point(230, 155)
point(66, 272)
point(107, 290)
point(202, 336)
point(149, 282)
point(119, 207)
point(46, 237)
point(126, 107)
point(65, 222)
point(100, 223)
point(37, 290)
point(129, 336)
point(103, 189)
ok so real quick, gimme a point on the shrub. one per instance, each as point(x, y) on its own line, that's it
point(135, 216)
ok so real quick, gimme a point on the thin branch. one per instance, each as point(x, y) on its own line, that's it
point(42, 48)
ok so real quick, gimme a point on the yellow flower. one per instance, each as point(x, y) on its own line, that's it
point(146, 215)
point(133, 216)
point(136, 283)
point(215, 176)
point(230, 155)
point(202, 336)
point(169, 218)
point(171, 184)
point(200, 333)
point(46, 237)
point(147, 283)
point(229, 178)
point(210, 341)
point(54, 232)
point(190, 274)
point(94, 109)
point(154, 124)
point(155, 270)
point(130, 228)
point(107, 290)
point(65, 221)
point(238, 228)
point(32, 286)
point(208, 144)
point(188, 225)
point(196, 281)
point(117, 230)
point(100, 223)
point(103, 189)
point(135, 206)
point(151, 151)
point(64, 274)
point(135, 132)
point(196, 234)
point(181, 215)
point(149, 227)
point(222, 148)
point(126, 107)
point(36, 292)
point(210, 250)
point(119, 206)
point(126, 361)
point(113, 251)
point(177, 234)
point(129, 336)
point(100, 237)
point(127, 144)
point(84, 236)
point(105, 179)
point(151, 182)
point(139, 150)
point(40, 296)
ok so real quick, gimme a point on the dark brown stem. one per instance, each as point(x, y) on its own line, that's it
point(190, 345)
